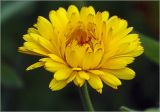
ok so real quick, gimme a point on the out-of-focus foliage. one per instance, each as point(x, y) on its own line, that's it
point(13, 8)
point(126, 109)
point(28, 91)
point(10, 77)
point(152, 110)
point(151, 48)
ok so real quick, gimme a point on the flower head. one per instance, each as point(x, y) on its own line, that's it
point(78, 46)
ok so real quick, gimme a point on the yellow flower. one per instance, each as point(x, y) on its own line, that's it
point(83, 46)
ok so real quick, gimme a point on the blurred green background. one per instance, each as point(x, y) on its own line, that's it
point(21, 90)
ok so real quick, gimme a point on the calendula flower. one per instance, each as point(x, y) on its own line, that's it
point(78, 46)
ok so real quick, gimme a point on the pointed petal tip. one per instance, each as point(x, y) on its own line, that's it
point(35, 65)
point(99, 91)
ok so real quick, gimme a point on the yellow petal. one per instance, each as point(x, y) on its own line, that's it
point(33, 44)
point(45, 28)
point(83, 75)
point(110, 79)
point(123, 33)
point(121, 26)
point(117, 63)
point(112, 21)
point(97, 72)
point(133, 45)
point(72, 9)
point(85, 11)
point(92, 59)
point(125, 73)
point(138, 51)
point(55, 20)
point(35, 48)
point(57, 85)
point(74, 54)
point(97, 19)
point(77, 69)
point(33, 30)
point(39, 41)
point(26, 51)
point(35, 65)
point(95, 82)
point(88, 61)
point(78, 81)
point(91, 10)
point(56, 58)
point(89, 19)
point(99, 91)
point(54, 66)
point(105, 15)
point(62, 74)
point(62, 15)
point(111, 85)
point(130, 38)
point(46, 60)
point(72, 77)
point(122, 51)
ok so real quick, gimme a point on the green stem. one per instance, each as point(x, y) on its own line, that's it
point(86, 98)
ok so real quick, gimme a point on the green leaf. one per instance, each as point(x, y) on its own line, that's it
point(151, 48)
point(152, 110)
point(126, 109)
point(9, 77)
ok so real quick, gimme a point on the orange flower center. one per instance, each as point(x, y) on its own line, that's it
point(82, 34)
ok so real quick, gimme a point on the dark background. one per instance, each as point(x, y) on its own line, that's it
point(28, 90)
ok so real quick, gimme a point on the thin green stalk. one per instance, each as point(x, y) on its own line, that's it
point(86, 98)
